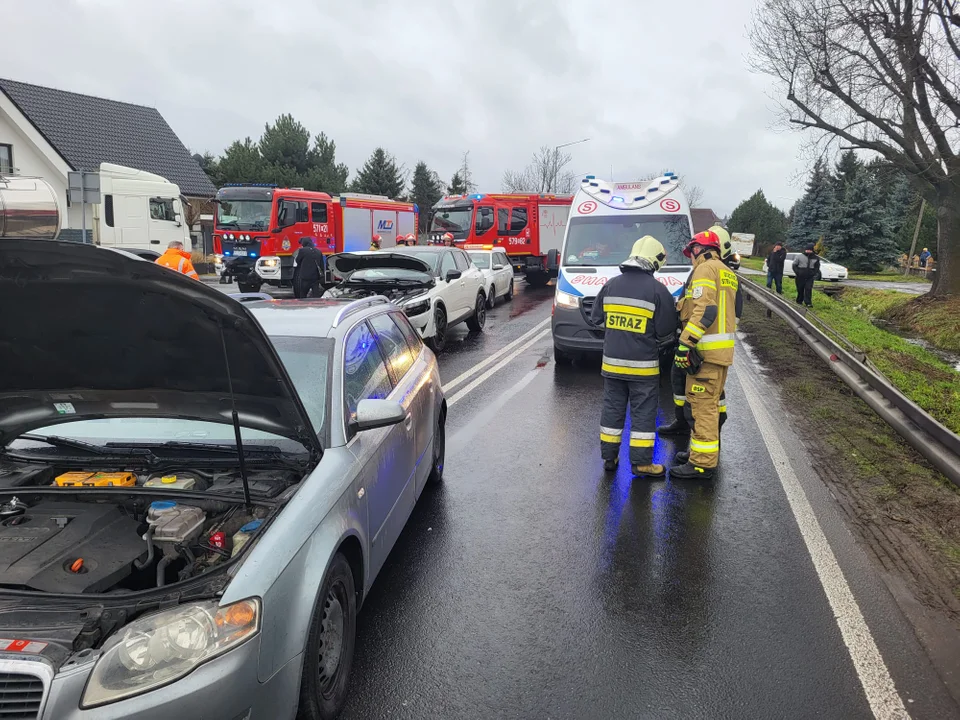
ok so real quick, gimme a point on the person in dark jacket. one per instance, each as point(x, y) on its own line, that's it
point(308, 269)
point(805, 268)
point(638, 316)
point(775, 262)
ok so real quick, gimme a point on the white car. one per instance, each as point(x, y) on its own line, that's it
point(828, 270)
point(496, 268)
point(437, 287)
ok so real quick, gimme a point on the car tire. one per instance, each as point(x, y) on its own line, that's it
point(509, 295)
point(492, 297)
point(246, 287)
point(439, 340)
point(562, 358)
point(439, 450)
point(479, 318)
point(328, 658)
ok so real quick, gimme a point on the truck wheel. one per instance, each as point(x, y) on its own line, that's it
point(492, 297)
point(479, 317)
point(439, 340)
point(329, 654)
point(509, 296)
point(538, 280)
point(247, 287)
point(562, 358)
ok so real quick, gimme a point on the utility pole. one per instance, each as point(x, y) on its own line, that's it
point(916, 234)
point(556, 162)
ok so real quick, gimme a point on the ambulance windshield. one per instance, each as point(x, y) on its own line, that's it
point(453, 220)
point(606, 240)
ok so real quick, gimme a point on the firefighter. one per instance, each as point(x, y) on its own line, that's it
point(448, 239)
point(375, 242)
point(705, 351)
point(411, 239)
point(176, 258)
point(638, 315)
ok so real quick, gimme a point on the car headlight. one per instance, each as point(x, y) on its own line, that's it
point(157, 649)
point(418, 307)
point(567, 300)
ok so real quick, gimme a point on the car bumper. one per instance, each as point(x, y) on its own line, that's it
point(282, 271)
point(424, 323)
point(572, 332)
point(226, 687)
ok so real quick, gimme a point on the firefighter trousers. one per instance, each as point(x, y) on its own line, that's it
point(643, 397)
point(703, 392)
point(678, 379)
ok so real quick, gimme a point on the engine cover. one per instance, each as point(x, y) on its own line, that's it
point(38, 548)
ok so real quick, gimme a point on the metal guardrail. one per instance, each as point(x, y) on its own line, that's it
point(928, 436)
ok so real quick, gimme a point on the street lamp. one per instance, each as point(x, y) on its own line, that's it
point(556, 161)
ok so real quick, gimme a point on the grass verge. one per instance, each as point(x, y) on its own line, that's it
point(754, 263)
point(936, 320)
point(889, 276)
point(904, 511)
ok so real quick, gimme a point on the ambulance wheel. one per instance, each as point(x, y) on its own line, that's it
point(492, 297)
point(509, 295)
point(562, 358)
point(439, 340)
point(479, 317)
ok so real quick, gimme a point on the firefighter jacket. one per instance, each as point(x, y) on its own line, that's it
point(710, 307)
point(638, 316)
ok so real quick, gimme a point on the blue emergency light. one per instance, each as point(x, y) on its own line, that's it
point(605, 190)
point(638, 198)
point(617, 198)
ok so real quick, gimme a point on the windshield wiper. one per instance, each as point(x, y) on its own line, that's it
point(208, 448)
point(70, 443)
point(228, 222)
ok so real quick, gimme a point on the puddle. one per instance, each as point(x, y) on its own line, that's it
point(949, 358)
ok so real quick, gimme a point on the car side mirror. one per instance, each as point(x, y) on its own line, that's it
point(372, 414)
point(453, 275)
point(498, 267)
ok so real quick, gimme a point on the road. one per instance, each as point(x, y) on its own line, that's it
point(532, 585)
point(914, 288)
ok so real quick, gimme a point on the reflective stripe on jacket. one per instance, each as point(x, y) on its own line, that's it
point(638, 316)
point(711, 310)
point(178, 260)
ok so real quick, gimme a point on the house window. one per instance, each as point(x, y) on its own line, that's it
point(162, 209)
point(6, 159)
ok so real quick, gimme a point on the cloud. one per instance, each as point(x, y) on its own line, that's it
point(652, 85)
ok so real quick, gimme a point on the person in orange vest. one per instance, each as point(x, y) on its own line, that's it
point(176, 258)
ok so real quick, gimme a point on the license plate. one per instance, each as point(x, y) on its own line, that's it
point(240, 253)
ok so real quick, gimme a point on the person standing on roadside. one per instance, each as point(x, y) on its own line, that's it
point(308, 270)
point(805, 268)
point(176, 258)
point(775, 262)
point(924, 256)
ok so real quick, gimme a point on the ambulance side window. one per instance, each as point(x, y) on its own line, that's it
point(484, 220)
point(318, 212)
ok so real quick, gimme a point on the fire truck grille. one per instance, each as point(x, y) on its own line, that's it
point(20, 696)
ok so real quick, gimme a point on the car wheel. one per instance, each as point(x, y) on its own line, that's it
point(560, 357)
point(329, 654)
point(492, 297)
point(510, 291)
point(246, 287)
point(479, 317)
point(439, 340)
point(439, 449)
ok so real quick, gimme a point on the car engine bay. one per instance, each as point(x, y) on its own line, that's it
point(388, 290)
point(91, 531)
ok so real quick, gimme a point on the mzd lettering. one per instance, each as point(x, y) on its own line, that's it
point(385, 225)
point(630, 323)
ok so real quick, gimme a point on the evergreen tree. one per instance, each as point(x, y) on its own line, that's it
point(815, 211)
point(286, 144)
point(862, 237)
point(847, 169)
point(324, 172)
point(457, 185)
point(241, 162)
point(757, 216)
point(380, 175)
point(426, 189)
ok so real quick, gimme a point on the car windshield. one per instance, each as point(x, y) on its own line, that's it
point(387, 274)
point(244, 214)
point(428, 256)
point(481, 260)
point(452, 219)
point(607, 240)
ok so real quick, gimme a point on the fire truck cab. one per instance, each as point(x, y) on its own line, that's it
point(530, 226)
point(258, 228)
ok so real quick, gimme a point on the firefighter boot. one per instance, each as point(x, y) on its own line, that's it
point(682, 457)
point(689, 471)
point(651, 471)
point(677, 427)
point(611, 465)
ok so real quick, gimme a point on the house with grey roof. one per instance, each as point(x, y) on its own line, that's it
point(46, 133)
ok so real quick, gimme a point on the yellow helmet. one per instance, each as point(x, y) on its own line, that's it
point(726, 247)
point(647, 251)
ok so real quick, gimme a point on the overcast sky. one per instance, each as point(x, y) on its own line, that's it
point(653, 84)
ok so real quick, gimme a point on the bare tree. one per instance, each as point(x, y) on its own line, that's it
point(878, 75)
point(546, 173)
point(693, 193)
point(466, 175)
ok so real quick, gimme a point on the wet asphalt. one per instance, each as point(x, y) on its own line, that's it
point(531, 584)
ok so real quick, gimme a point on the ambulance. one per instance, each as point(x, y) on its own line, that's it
point(606, 218)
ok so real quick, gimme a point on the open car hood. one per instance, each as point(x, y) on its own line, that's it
point(99, 334)
point(346, 263)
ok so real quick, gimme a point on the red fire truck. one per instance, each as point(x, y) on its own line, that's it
point(258, 227)
point(529, 226)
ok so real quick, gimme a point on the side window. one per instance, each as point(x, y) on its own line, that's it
point(364, 372)
point(501, 259)
point(303, 212)
point(287, 213)
point(412, 336)
point(318, 212)
point(447, 263)
point(394, 345)
point(108, 210)
point(484, 220)
point(162, 209)
point(518, 219)
point(503, 221)
point(463, 262)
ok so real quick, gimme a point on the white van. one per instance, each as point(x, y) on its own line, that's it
point(606, 218)
point(138, 210)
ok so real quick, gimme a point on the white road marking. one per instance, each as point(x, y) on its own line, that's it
point(874, 676)
point(463, 377)
point(499, 366)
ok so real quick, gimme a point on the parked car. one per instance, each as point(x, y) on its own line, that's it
point(828, 270)
point(437, 287)
point(196, 493)
point(497, 271)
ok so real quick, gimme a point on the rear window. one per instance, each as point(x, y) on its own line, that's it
point(607, 240)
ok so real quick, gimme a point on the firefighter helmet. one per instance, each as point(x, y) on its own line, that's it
point(410, 237)
point(707, 238)
point(647, 254)
point(726, 247)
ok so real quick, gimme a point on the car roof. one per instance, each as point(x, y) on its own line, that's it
point(311, 317)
